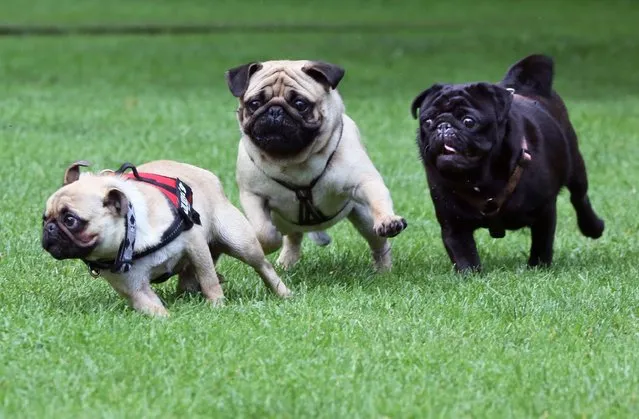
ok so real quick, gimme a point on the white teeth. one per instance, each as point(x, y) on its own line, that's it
point(450, 149)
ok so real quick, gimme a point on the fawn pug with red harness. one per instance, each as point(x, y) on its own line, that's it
point(162, 219)
point(301, 165)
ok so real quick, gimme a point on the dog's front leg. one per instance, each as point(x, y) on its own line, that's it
point(135, 287)
point(372, 193)
point(462, 249)
point(362, 219)
point(256, 210)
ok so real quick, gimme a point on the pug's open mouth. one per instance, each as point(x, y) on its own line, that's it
point(455, 158)
point(455, 150)
point(449, 149)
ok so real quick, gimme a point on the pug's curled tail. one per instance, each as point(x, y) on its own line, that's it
point(532, 75)
point(320, 238)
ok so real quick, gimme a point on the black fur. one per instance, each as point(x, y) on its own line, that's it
point(474, 163)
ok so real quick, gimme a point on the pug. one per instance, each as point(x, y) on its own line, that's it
point(301, 165)
point(496, 157)
point(139, 228)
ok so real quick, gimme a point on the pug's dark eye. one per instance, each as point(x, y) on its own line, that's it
point(468, 122)
point(300, 104)
point(254, 105)
point(70, 221)
point(428, 123)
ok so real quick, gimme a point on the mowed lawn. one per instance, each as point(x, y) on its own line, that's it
point(420, 341)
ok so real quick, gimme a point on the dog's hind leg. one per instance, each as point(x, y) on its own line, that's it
point(543, 237)
point(236, 238)
point(203, 270)
point(187, 282)
point(589, 223)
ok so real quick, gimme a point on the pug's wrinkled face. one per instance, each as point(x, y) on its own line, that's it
point(285, 105)
point(461, 125)
point(65, 234)
point(84, 218)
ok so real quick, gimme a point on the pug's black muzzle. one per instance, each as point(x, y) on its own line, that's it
point(61, 244)
point(280, 133)
point(446, 131)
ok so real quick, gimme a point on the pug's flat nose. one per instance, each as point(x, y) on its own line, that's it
point(444, 126)
point(51, 227)
point(276, 113)
point(446, 130)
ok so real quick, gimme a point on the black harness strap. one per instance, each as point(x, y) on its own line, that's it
point(184, 218)
point(308, 214)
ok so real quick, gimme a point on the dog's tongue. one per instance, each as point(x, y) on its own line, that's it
point(450, 149)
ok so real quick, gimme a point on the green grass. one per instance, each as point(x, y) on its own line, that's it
point(418, 342)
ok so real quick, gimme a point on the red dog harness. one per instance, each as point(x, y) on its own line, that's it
point(179, 195)
point(178, 192)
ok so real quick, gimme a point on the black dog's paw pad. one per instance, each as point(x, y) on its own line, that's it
point(391, 226)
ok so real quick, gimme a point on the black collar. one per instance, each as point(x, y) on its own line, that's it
point(308, 214)
point(184, 217)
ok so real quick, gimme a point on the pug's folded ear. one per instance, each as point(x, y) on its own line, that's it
point(421, 98)
point(116, 202)
point(73, 171)
point(238, 78)
point(326, 74)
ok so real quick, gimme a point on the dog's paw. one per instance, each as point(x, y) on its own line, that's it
point(154, 311)
point(283, 292)
point(287, 259)
point(320, 238)
point(466, 269)
point(390, 226)
point(383, 266)
point(217, 301)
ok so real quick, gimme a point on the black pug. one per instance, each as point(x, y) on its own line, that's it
point(497, 155)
